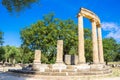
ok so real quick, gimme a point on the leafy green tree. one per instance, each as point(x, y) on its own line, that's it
point(88, 45)
point(2, 52)
point(12, 54)
point(44, 34)
point(17, 5)
point(7, 50)
point(110, 49)
point(1, 38)
point(117, 58)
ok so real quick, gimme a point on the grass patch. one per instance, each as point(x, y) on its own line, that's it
point(114, 62)
point(115, 72)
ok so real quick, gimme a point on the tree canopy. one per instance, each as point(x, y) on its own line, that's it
point(1, 48)
point(1, 38)
point(17, 5)
point(44, 34)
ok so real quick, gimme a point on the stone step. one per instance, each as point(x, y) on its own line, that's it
point(62, 73)
point(58, 70)
point(69, 73)
point(70, 66)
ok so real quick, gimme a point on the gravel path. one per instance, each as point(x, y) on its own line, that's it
point(5, 76)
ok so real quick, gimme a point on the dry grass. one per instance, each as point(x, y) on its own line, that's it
point(114, 62)
point(116, 72)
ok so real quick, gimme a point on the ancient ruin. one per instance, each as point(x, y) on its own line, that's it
point(81, 68)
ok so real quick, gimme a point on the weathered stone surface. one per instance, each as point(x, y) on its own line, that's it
point(59, 61)
point(37, 57)
point(94, 42)
point(81, 52)
point(82, 67)
point(67, 59)
point(40, 67)
point(37, 66)
point(59, 58)
point(100, 46)
point(59, 66)
point(97, 67)
point(71, 59)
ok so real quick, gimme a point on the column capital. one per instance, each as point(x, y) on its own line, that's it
point(93, 20)
point(80, 14)
point(98, 25)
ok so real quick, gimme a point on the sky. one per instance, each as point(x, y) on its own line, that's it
point(107, 10)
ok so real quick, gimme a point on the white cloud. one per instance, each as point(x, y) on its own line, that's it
point(113, 29)
point(109, 26)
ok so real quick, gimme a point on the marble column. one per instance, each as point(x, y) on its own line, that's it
point(100, 46)
point(94, 42)
point(37, 57)
point(81, 52)
point(59, 51)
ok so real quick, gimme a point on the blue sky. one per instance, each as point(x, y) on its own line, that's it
point(107, 10)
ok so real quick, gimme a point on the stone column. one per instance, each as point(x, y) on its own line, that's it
point(37, 57)
point(37, 66)
point(59, 65)
point(100, 46)
point(59, 51)
point(81, 52)
point(94, 42)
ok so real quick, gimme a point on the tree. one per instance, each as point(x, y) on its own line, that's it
point(2, 52)
point(110, 49)
point(1, 47)
point(17, 5)
point(26, 55)
point(88, 45)
point(1, 38)
point(117, 58)
point(44, 34)
point(12, 54)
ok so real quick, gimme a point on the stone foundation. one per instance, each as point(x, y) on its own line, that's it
point(59, 66)
point(64, 70)
point(40, 67)
point(82, 67)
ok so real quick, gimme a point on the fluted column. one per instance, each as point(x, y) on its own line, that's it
point(59, 51)
point(94, 42)
point(100, 46)
point(81, 52)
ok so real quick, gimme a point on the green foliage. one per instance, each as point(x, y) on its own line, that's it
point(88, 45)
point(44, 34)
point(17, 5)
point(1, 38)
point(117, 57)
point(11, 53)
point(2, 52)
point(88, 50)
point(26, 55)
point(110, 49)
